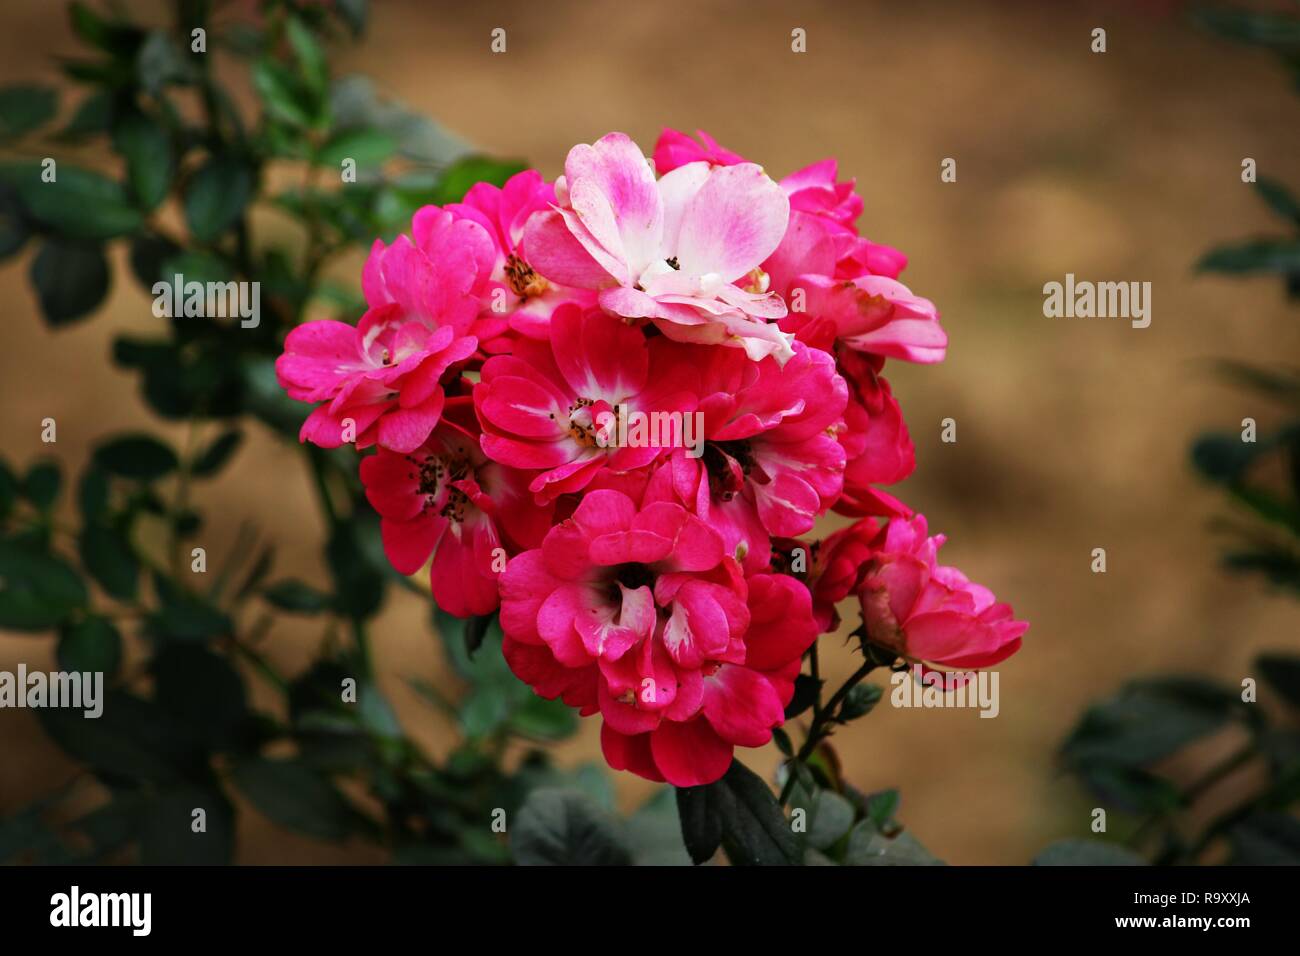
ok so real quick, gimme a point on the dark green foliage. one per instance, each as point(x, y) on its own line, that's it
point(179, 731)
point(1120, 747)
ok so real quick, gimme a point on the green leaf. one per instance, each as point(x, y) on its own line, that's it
point(1265, 839)
point(589, 778)
point(108, 557)
point(196, 266)
point(868, 847)
point(1087, 853)
point(1250, 26)
point(366, 147)
point(92, 645)
point(1148, 720)
point(860, 701)
point(881, 808)
point(1259, 255)
point(37, 590)
point(25, 838)
point(353, 558)
point(1279, 383)
point(294, 595)
point(94, 116)
point(1268, 506)
point(132, 738)
point(498, 700)
point(566, 828)
point(243, 39)
point(702, 811)
point(15, 229)
point(167, 833)
point(283, 96)
point(1279, 199)
point(1283, 673)
point(214, 457)
point(483, 712)
point(353, 13)
point(185, 617)
point(112, 825)
point(376, 713)
point(1132, 789)
point(1224, 457)
point(93, 492)
point(805, 695)
point(148, 256)
point(1280, 565)
point(115, 74)
point(782, 741)
point(310, 57)
point(112, 36)
point(8, 489)
point(354, 104)
point(202, 691)
point(294, 796)
point(24, 108)
point(829, 817)
point(41, 486)
point(654, 832)
point(265, 398)
point(148, 152)
point(216, 196)
point(741, 813)
point(136, 456)
point(457, 179)
point(543, 719)
point(78, 204)
point(318, 689)
point(71, 279)
point(160, 62)
point(476, 629)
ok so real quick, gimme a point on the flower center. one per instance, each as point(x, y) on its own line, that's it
point(523, 280)
point(631, 576)
point(587, 418)
point(435, 474)
point(728, 464)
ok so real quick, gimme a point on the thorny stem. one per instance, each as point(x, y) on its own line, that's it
point(1219, 772)
point(1195, 791)
point(822, 715)
point(314, 255)
point(363, 645)
point(181, 500)
point(317, 459)
point(259, 662)
point(814, 667)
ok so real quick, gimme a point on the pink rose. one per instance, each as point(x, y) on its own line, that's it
point(638, 613)
point(924, 611)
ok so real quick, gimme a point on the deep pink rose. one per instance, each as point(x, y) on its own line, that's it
point(381, 382)
point(924, 611)
point(446, 499)
point(687, 657)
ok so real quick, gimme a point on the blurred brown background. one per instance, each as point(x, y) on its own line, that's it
point(1072, 434)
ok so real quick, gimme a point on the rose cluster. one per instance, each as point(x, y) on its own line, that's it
point(511, 335)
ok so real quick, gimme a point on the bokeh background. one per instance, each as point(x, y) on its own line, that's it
point(1072, 434)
